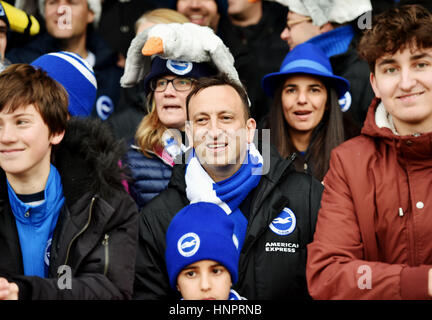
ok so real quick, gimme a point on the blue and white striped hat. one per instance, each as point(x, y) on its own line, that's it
point(77, 77)
point(305, 58)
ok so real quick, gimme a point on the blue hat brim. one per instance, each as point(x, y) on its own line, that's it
point(271, 81)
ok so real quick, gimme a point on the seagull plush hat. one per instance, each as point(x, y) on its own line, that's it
point(183, 42)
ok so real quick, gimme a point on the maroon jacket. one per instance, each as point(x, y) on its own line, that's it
point(373, 237)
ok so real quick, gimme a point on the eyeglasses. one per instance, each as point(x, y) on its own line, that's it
point(290, 24)
point(179, 84)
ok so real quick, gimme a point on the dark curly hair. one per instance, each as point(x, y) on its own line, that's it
point(394, 30)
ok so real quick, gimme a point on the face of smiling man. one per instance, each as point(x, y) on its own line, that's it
point(219, 130)
point(403, 81)
point(202, 12)
point(67, 19)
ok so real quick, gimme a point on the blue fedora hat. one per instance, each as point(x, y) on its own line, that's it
point(305, 58)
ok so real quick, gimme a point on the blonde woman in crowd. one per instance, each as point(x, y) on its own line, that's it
point(133, 101)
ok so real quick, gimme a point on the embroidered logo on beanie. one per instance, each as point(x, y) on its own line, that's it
point(188, 244)
point(104, 107)
point(179, 67)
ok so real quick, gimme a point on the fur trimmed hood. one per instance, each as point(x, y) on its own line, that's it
point(88, 160)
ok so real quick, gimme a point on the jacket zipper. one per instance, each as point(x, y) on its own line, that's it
point(105, 244)
point(81, 231)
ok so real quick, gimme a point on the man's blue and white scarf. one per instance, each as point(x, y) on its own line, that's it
point(229, 193)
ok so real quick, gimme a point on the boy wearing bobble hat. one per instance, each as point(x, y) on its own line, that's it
point(202, 257)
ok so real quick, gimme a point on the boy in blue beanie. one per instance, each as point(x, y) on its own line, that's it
point(202, 258)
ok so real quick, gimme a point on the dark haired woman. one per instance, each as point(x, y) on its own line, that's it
point(306, 120)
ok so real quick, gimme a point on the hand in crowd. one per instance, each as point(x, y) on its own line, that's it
point(8, 290)
point(430, 282)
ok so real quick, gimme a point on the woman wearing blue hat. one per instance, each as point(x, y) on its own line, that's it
point(306, 120)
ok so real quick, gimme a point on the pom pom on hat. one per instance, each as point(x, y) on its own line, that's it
point(76, 76)
point(200, 231)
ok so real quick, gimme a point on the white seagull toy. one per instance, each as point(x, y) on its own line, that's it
point(184, 42)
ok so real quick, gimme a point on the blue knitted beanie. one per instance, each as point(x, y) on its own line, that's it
point(76, 76)
point(201, 231)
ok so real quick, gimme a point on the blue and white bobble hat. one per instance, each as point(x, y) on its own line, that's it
point(200, 231)
point(77, 77)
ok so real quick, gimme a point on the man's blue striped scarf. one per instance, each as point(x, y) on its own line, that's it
point(229, 193)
